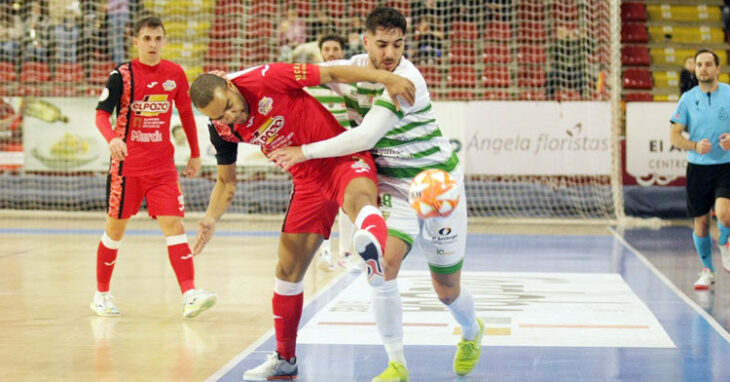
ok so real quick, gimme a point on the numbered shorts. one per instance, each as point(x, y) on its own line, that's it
point(705, 183)
point(164, 196)
point(315, 202)
point(441, 240)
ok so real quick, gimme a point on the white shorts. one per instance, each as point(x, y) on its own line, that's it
point(441, 240)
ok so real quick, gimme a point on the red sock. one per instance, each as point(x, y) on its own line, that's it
point(287, 312)
point(105, 259)
point(181, 259)
point(375, 223)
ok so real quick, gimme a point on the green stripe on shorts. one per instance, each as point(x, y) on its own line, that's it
point(446, 270)
point(401, 235)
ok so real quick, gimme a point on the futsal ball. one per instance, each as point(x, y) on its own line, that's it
point(433, 193)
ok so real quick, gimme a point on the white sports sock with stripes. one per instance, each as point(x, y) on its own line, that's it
point(388, 311)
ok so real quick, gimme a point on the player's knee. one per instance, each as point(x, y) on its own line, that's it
point(448, 298)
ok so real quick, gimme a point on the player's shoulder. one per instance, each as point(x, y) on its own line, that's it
point(408, 70)
point(358, 60)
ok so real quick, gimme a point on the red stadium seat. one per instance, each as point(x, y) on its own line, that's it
point(531, 10)
point(568, 95)
point(565, 10)
point(498, 31)
point(635, 55)
point(532, 96)
point(633, 12)
point(462, 53)
point(637, 78)
point(463, 31)
point(336, 8)
point(496, 95)
point(403, 6)
point(432, 74)
point(531, 76)
point(303, 7)
point(634, 32)
point(264, 7)
point(362, 8)
point(35, 72)
point(639, 97)
point(496, 53)
point(259, 28)
point(7, 72)
point(531, 32)
point(531, 54)
point(224, 28)
point(100, 71)
point(229, 7)
point(461, 76)
point(461, 95)
point(69, 72)
point(496, 77)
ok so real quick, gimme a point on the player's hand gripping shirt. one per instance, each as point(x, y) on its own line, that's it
point(414, 142)
point(281, 114)
point(143, 96)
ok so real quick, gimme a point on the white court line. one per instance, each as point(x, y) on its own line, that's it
point(710, 320)
point(237, 359)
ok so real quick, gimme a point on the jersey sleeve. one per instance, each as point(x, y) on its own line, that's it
point(112, 93)
point(291, 76)
point(185, 108)
point(337, 87)
point(680, 114)
point(225, 152)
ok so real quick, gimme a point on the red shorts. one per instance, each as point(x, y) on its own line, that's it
point(162, 192)
point(315, 201)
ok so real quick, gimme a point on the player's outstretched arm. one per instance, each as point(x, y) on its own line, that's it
point(396, 85)
point(220, 198)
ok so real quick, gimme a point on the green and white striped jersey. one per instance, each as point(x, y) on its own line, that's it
point(412, 145)
point(331, 101)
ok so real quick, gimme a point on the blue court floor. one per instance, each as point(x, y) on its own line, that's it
point(618, 307)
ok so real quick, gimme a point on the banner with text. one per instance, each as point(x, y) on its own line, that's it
point(650, 156)
point(538, 138)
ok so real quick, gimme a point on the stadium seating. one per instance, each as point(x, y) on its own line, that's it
point(267, 7)
point(564, 10)
point(533, 54)
point(7, 72)
point(633, 12)
point(532, 96)
point(637, 78)
point(497, 95)
point(496, 77)
point(432, 74)
point(531, 76)
point(461, 76)
point(35, 72)
point(637, 55)
point(498, 31)
point(675, 12)
point(463, 31)
point(531, 32)
point(100, 71)
point(634, 33)
point(403, 6)
point(530, 10)
point(638, 97)
point(462, 53)
point(496, 53)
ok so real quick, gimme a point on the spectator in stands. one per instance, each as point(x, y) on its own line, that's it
point(687, 77)
point(427, 42)
point(498, 10)
point(292, 32)
point(701, 113)
point(435, 10)
point(567, 57)
point(355, 32)
point(11, 34)
point(67, 35)
point(321, 26)
point(93, 44)
point(726, 18)
point(118, 12)
point(36, 34)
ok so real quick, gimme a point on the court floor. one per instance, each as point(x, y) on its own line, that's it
point(561, 303)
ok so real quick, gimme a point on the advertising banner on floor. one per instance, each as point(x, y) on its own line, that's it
point(538, 138)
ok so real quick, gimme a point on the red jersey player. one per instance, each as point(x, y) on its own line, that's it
point(142, 162)
point(267, 106)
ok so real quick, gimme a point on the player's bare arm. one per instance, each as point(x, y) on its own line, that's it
point(396, 85)
point(701, 147)
point(220, 198)
point(193, 167)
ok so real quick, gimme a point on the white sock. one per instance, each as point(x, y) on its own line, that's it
point(326, 246)
point(463, 311)
point(388, 311)
point(347, 229)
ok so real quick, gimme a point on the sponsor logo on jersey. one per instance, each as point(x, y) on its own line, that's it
point(268, 131)
point(181, 201)
point(138, 136)
point(151, 84)
point(263, 71)
point(169, 85)
point(360, 165)
point(445, 234)
point(300, 72)
point(152, 105)
point(442, 252)
point(445, 231)
point(265, 105)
